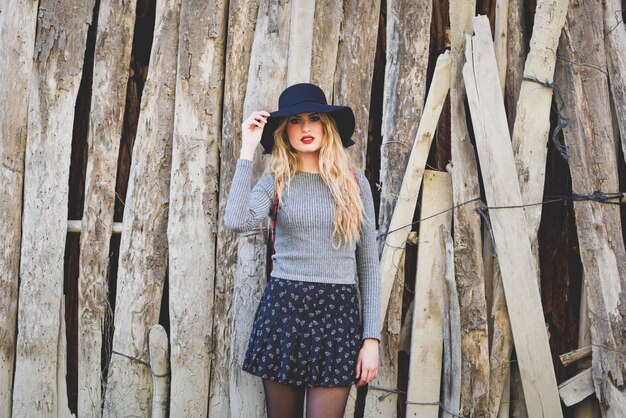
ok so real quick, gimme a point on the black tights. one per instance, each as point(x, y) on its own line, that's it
point(287, 401)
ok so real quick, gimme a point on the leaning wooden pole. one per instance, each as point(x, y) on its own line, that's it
point(468, 260)
point(192, 223)
point(515, 258)
point(56, 73)
point(532, 122)
point(18, 24)
point(160, 366)
point(403, 103)
point(425, 365)
point(584, 94)
point(241, 22)
point(143, 246)
point(267, 73)
point(114, 39)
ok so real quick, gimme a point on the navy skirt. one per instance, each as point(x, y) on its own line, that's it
point(305, 334)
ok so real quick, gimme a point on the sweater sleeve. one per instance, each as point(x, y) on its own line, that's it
point(246, 207)
point(368, 265)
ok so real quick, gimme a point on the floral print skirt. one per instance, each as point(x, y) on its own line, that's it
point(305, 334)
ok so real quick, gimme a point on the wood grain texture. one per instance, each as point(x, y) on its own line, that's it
point(18, 20)
point(114, 39)
point(326, 38)
point(468, 261)
point(517, 264)
point(56, 73)
point(451, 385)
point(160, 367)
point(592, 151)
point(192, 224)
point(300, 41)
point(241, 23)
point(428, 308)
point(143, 247)
point(408, 37)
point(532, 120)
point(266, 79)
point(355, 68)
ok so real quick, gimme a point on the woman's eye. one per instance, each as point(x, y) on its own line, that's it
point(294, 121)
point(314, 118)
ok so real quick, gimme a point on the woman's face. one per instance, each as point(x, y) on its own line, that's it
point(305, 132)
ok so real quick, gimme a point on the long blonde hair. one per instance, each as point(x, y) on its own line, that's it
point(335, 169)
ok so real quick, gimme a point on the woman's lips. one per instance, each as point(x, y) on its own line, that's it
point(307, 139)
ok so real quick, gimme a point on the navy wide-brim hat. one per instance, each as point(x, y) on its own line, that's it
point(305, 97)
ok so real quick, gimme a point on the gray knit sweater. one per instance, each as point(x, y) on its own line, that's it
point(304, 224)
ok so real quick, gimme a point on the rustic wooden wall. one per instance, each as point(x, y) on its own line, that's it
point(234, 56)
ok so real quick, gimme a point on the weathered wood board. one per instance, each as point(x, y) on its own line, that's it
point(592, 151)
point(18, 24)
point(114, 39)
point(56, 73)
point(242, 21)
point(143, 248)
point(517, 264)
point(428, 307)
point(266, 79)
point(468, 261)
point(193, 216)
point(355, 67)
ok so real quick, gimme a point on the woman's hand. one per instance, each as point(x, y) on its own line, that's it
point(251, 130)
point(367, 362)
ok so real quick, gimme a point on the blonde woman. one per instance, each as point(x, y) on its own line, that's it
point(307, 336)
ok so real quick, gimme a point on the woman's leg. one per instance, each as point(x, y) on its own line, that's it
point(282, 400)
point(322, 402)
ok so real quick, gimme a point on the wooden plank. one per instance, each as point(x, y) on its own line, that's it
point(355, 68)
point(159, 364)
point(143, 247)
point(501, 342)
point(467, 228)
point(300, 42)
point(399, 227)
point(615, 44)
point(327, 26)
point(192, 224)
point(403, 103)
point(56, 73)
point(577, 388)
point(451, 397)
point(517, 264)
point(114, 39)
point(592, 150)
point(242, 20)
point(266, 79)
point(18, 24)
point(247, 395)
point(408, 39)
point(532, 122)
point(427, 334)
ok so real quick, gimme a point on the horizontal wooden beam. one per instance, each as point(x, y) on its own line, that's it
point(575, 355)
point(76, 225)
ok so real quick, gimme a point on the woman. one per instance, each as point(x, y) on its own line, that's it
point(307, 336)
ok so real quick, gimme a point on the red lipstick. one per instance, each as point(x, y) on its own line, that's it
point(307, 139)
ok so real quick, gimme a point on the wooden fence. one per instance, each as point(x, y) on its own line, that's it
point(491, 131)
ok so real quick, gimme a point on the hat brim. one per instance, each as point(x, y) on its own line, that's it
point(342, 115)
